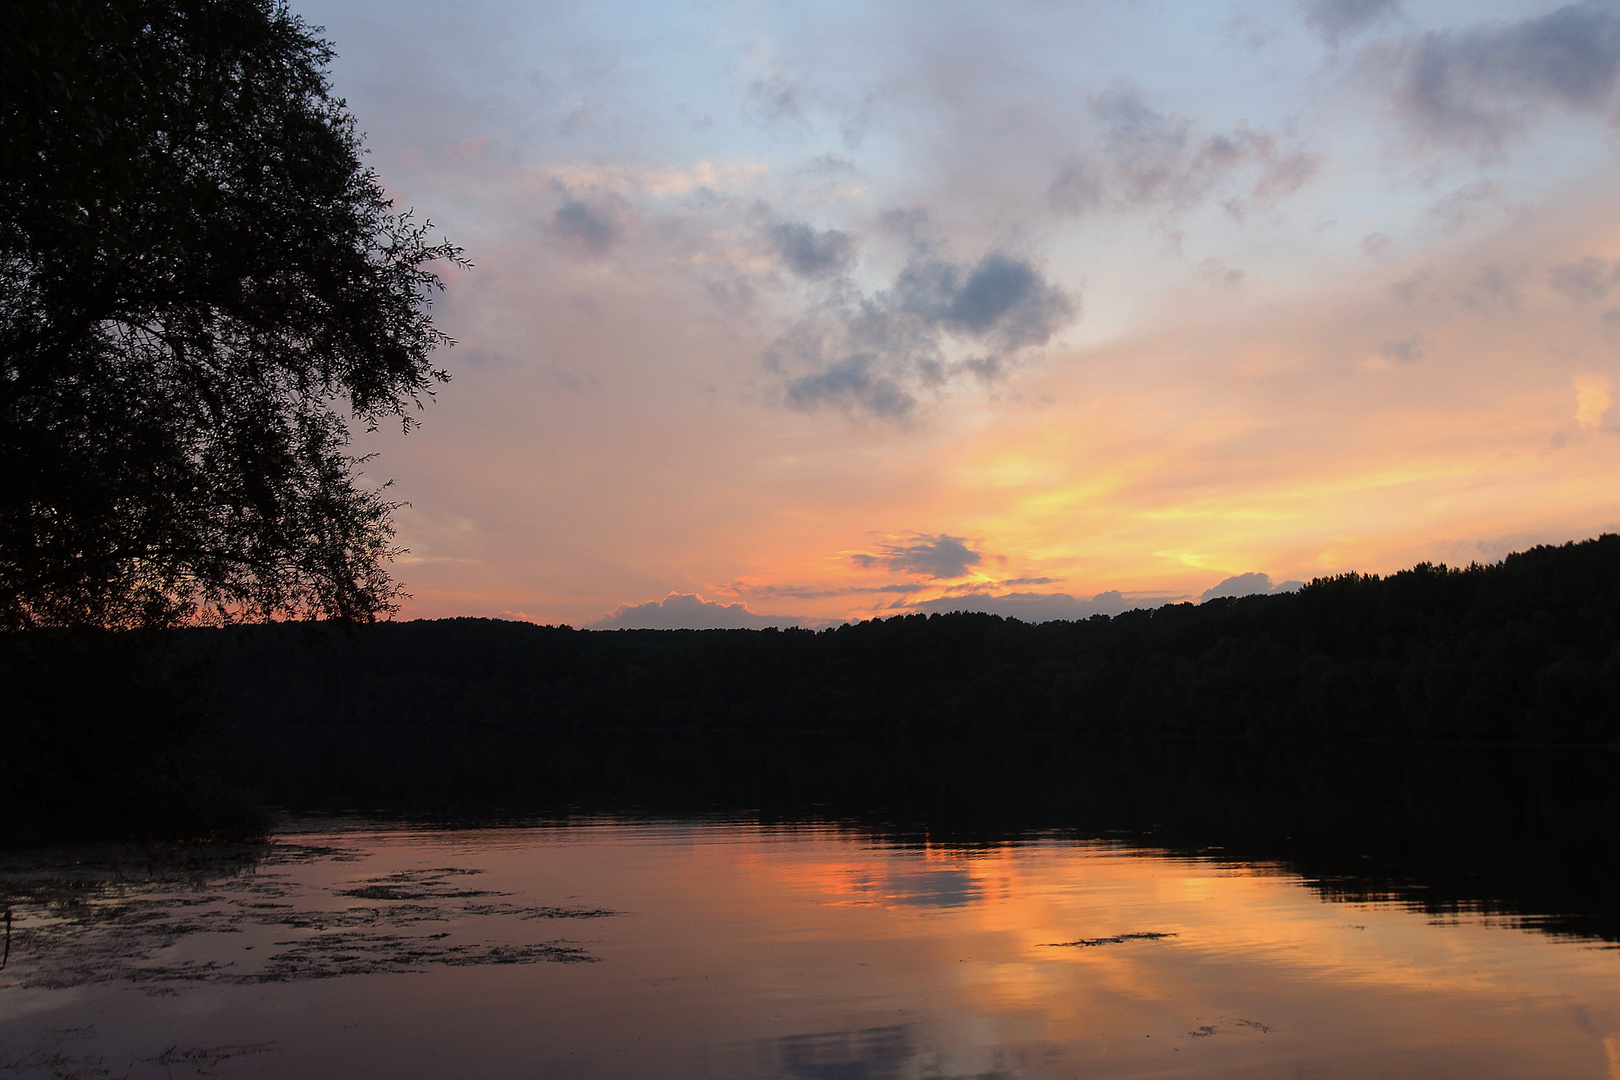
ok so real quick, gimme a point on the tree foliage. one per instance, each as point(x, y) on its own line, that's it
point(1523, 650)
point(201, 286)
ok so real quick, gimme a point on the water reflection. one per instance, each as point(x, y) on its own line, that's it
point(888, 1053)
point(923, 886)
point(521, 904)
point(1516, 832)
point(608, 948)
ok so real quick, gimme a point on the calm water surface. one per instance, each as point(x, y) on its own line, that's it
point(635, 949)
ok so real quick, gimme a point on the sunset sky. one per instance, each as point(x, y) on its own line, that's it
point(800, 313)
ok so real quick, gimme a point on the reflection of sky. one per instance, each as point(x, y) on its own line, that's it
point(776, 304)
point(873, 1054)
point(743, 954)
point(887, 1053)
point(901, 883)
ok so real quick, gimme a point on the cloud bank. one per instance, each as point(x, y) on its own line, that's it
point(688, 611)
point(1252, 584)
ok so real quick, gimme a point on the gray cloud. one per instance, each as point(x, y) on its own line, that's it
point(1216, 272)
point(591, 60)
point(1411, 288)
point(777, 97)
point(577, 116)
point(1153, 158)
point(1376, 243)
point(1283, 174)
point(1407, 350)
point(1478, 86)
point(872, 353)
point(1248, 585)
point(591, 227)
point(1149, 149)
point(911, 224)
point(1339, 19)
point(829, 165)
point(1587, 280)
point(928, 555)
point(852, 384)
point(733, 293)
point(572, 381)
point(1492, 289)
point(1466, 205)
point(1002, 300)
point(812, 254)
point(1033, 607)
point(1077, 189)
point(852, 126)
point(687, 611)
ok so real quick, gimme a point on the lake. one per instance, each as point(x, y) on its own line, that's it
point(825, 911)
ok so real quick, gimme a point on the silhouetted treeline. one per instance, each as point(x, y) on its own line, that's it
point(100, 732)
point(1524, 650)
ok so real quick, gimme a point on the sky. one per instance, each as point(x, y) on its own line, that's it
point(787, 313)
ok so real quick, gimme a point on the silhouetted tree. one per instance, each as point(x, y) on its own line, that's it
point(1525, 650)
point(201, 284)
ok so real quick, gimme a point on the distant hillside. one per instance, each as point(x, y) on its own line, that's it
point(1527, 649)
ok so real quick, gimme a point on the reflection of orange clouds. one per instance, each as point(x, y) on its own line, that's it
point(1252, 947)
point(1028, 897)
point(735, 936)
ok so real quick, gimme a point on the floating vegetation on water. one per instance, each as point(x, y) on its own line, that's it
point(1204, 1031)
point(1117, 939)
point(417, 885)
point(106, 917)
point(60, 1055)
point(356, 953)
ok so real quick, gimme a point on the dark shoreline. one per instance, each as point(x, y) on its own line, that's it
point(1448, 728)
point(1524, 651)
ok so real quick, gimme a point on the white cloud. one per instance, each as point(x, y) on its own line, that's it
point(1252, 584)
point(1038, 607)
point(687, 611)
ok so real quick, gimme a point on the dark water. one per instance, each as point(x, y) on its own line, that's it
point(506, 905)
point(1528, 832)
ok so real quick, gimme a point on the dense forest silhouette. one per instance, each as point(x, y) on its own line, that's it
point(107, 734)
point(1390, 739)
point(1376, 735)
point(1525, 650)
